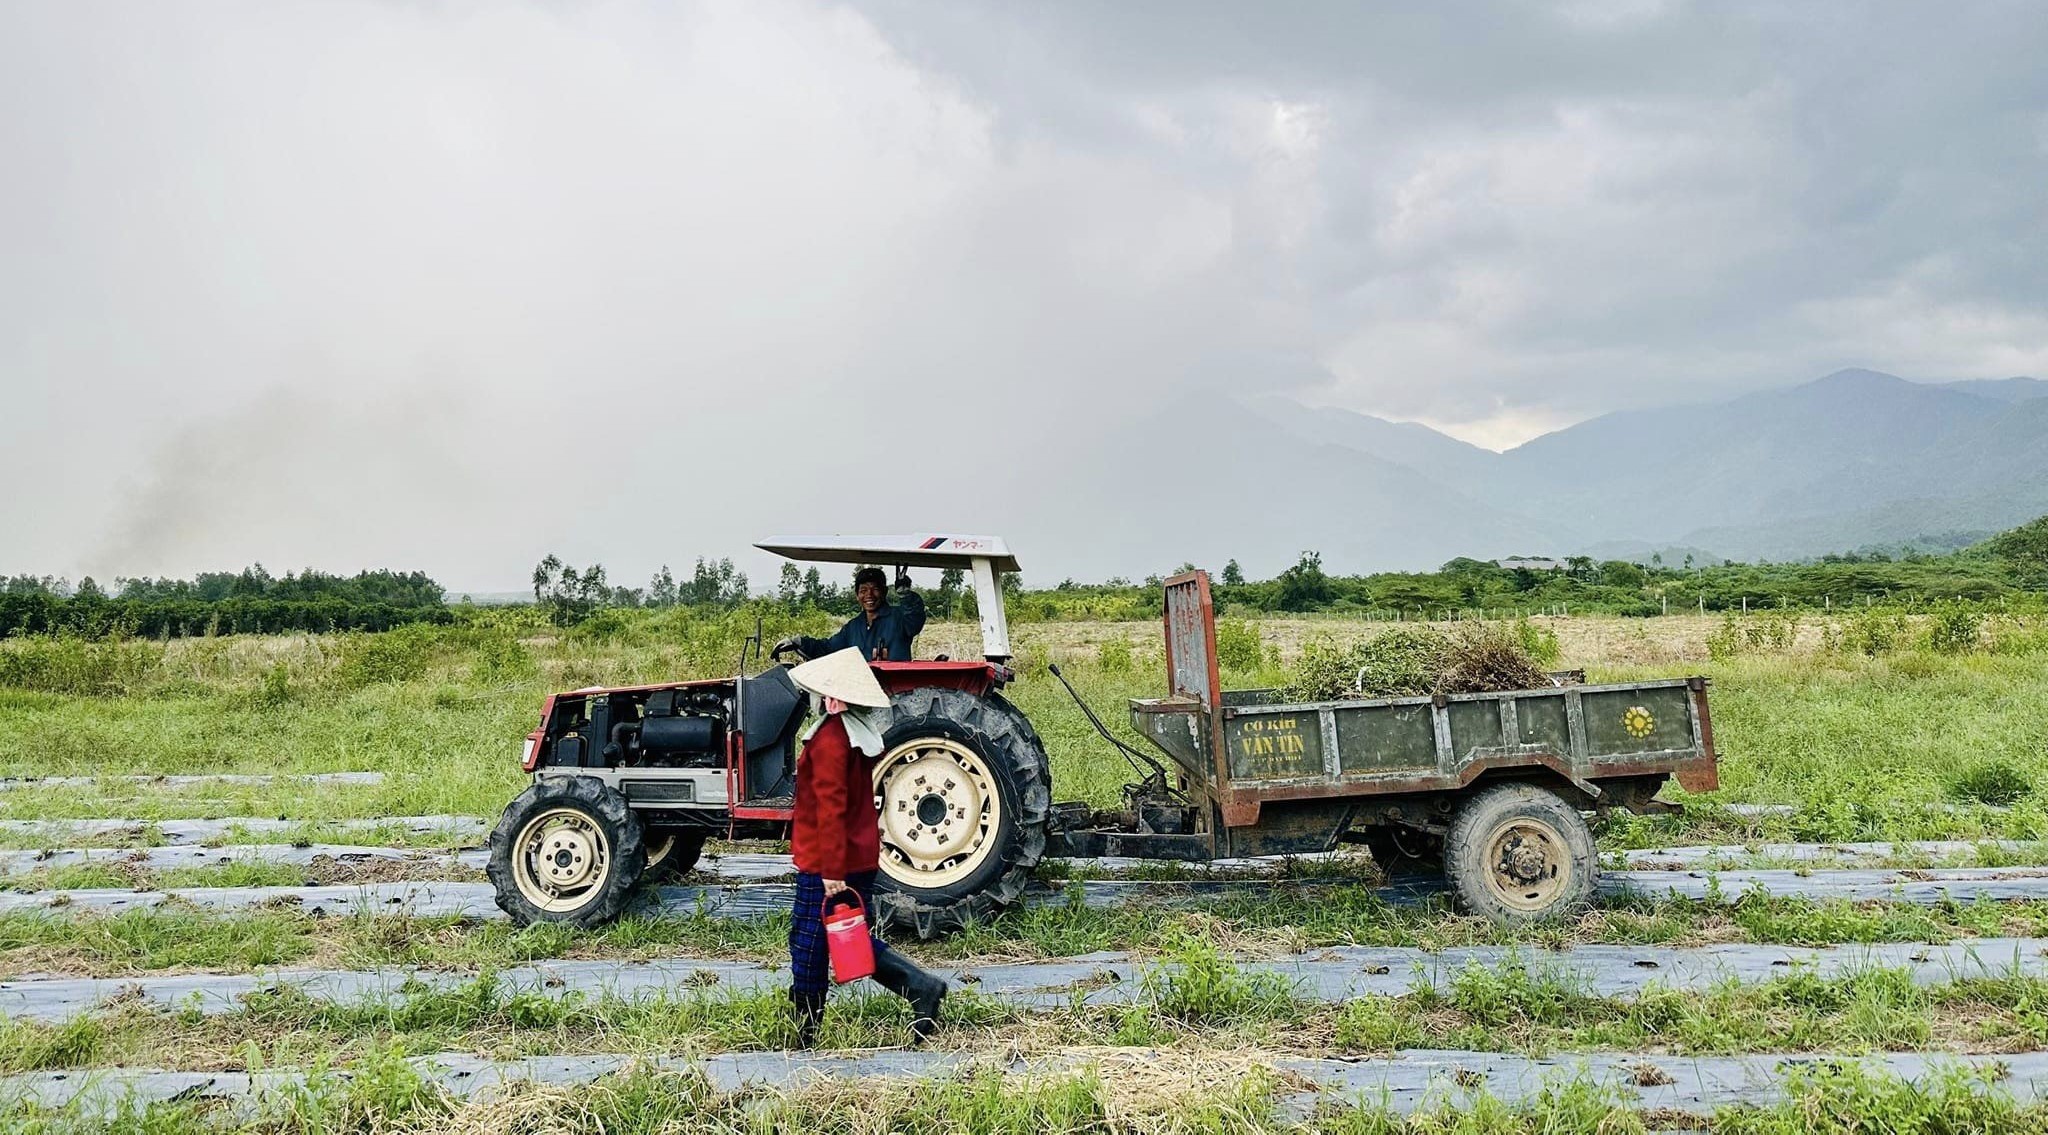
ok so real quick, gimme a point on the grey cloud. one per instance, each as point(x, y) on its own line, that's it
point(637, 281)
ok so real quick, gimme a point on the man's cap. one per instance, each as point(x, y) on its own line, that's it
point(842, 674)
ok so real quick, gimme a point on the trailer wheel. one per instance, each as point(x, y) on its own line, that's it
point(672, 853)
point(964, 793)
point(1519, 854)
point(566, 850)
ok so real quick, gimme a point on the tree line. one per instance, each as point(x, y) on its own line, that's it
point(251, 601)
point(571, 595)
point(2011, 564)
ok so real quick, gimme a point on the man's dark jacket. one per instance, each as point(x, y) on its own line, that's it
point(887, 639)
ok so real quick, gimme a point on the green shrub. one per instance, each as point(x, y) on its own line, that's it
point(394, 656)
point(1956, 628)
point(2018, 636)
point(1539, 642)
point(1114, 655)
point(606, 625)
point(1771, 630)
point(1874, 631)
point(276, 690)
point(1764, 631)
point(1238, 646)
point(1725, 641)
point(500, 657)
point(65, 665)
point(1031, 660)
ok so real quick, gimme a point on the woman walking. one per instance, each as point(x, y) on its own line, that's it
point(836, 841)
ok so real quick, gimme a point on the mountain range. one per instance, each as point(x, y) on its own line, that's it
point(1857, 458)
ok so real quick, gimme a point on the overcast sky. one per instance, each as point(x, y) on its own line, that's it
point(450, 285)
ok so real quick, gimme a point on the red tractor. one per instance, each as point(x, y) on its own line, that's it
point(630, 782)
point(1491, 789)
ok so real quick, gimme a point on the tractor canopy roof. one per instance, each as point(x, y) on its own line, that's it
point(923, 549)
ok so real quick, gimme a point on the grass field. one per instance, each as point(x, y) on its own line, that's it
point(1862, 744)
point(1899, 742)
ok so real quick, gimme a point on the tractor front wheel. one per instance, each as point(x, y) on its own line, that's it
point(566, 850)
point(965, 794)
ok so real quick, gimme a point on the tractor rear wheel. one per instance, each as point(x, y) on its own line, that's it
point(672, 853)
point(566, 850)
point(965, 794)
point(1519, 854)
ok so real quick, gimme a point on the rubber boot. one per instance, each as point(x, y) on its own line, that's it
point(924, 991)
point(806, 1008)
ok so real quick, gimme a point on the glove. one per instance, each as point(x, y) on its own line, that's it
point(791, 645)
point(902, 578)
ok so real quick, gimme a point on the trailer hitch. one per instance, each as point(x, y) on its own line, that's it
point(1158, 781)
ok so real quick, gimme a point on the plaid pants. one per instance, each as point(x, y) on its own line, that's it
point(809, 964)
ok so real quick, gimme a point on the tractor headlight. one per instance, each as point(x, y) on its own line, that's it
point(527, 753)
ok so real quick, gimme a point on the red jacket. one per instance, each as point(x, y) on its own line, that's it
point(835, 832)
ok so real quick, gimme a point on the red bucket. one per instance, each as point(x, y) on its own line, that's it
point(846, 938)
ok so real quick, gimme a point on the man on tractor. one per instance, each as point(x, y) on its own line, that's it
point(882, 632)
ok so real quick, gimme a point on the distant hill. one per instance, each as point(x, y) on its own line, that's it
point(1403, 443)
point(1218, 486)
point(1852, 459)
point(2003, 389)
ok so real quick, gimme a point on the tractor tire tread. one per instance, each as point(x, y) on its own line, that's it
point(1005, 738)
point(604, 805)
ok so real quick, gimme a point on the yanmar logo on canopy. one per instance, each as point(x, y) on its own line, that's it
point(953, 543)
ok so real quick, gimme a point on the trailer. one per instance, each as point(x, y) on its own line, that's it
point(1493, 790)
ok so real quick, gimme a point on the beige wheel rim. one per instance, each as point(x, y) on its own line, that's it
point(659, 848)
point(940, 811)
point(1528, 865)
point(561, 860)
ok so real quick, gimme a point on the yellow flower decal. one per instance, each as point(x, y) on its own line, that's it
point(1638, 722)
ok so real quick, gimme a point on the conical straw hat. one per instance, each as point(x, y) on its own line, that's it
point(844, 675)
